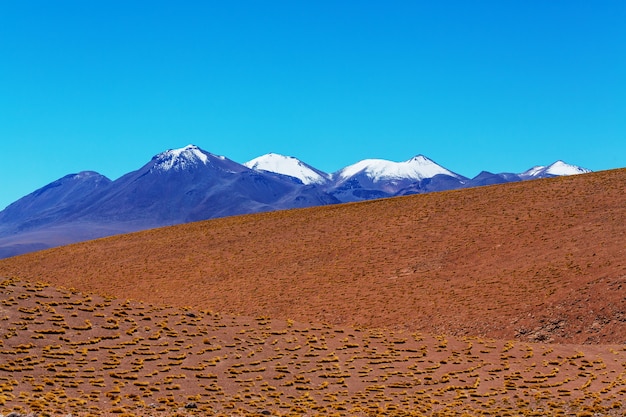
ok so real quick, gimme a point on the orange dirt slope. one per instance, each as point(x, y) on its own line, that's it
point(541, 260)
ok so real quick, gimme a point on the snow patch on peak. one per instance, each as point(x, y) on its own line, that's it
point(85, 174)
point(559, 168)
point(180, 158)
point(416, 168)
point(562, 168)
point(534, 171)
point(288, 165)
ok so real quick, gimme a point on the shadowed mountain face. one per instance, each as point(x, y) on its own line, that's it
point(175, 187)
point(53, 203)
point(170, 192)
point(189, 184)
point(535, 261)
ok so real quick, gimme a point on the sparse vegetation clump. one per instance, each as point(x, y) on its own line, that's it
point(187, 363)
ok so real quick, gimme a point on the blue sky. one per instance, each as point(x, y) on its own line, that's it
point(473, 85)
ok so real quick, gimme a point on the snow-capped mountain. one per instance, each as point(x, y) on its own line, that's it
point(191, 157)
point(416, 168)
point(558, 168)
point(180, 158)
point(380, 178)
point(188, 184)
point(175, 186)
point(290, 166)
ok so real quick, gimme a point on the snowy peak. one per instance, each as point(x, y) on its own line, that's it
point(559, 168)
point(416, 168)
point(562, 168)
point(290, 166)
point(180, 159)
point(84, 175)
point(533, 172)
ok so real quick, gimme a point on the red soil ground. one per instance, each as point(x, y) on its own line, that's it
point(541, 260)
point(69, 353)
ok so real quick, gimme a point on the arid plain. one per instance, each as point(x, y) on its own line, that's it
point(501, 300)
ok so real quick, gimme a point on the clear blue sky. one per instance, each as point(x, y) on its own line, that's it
point(473, 85)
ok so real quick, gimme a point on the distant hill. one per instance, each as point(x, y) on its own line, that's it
point(188, 184)
point(535, 261)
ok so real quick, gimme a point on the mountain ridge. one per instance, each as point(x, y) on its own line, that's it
point(189, 184)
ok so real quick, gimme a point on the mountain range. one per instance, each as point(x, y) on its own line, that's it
point(190, 184)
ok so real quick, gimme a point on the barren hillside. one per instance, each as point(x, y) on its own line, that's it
point(69, 353)
point(541, 260)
